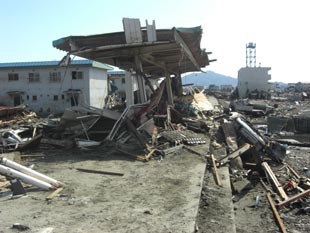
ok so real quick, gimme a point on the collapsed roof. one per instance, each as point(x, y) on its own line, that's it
point(175, 50)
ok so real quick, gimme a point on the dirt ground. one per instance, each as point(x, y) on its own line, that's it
point(157, 196)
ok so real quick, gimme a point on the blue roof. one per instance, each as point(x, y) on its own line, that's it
point(116, 72)
point(49, 63)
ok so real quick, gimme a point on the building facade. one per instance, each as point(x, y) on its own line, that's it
point(125, 85)
point(46, 87)
point(253, 79)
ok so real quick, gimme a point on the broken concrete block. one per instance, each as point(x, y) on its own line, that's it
point(241, 186)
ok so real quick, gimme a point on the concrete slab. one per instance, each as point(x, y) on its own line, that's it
point(217, 209)
point(150, 197)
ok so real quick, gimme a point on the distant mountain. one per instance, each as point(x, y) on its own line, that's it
point(281, 84)
point(209, 78)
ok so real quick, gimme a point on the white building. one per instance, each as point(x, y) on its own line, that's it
point(253, 79)
point(117, 80)
point(47, 87)
point(124, 85)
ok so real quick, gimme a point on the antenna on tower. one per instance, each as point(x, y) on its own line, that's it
point(251, 54)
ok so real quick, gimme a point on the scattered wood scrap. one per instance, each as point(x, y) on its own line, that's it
point(53, 194)
point(149, 155)
point(4, 184)
point(236, 153)
point(294, 198)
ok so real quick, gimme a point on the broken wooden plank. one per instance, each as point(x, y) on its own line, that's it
point(274, 180)
point(53, 194)
point(217, 176)
point(230, 135)
point(4, 184)
point(236, 153)
point(100, 172)
point(276, 213)
point(149, 155)
point(58, 143)
point(294, 198)
point(293, 171)
point(131, 127)
point(141, 158)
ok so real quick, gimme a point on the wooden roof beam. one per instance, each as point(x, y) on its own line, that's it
point(150, 59)
point(188, 52)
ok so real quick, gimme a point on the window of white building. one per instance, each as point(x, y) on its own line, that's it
point(55, 77)
point(77, 74)
point(13, 77)
point(34, 77)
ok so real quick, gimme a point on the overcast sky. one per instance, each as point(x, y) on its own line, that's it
point(278, 27)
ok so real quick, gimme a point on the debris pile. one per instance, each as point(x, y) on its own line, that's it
point(257, 154)
point(19, 130)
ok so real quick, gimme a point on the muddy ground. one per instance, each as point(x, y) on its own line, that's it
point(157, 196)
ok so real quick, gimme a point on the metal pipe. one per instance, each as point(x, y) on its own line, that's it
point(30, 172)
point(250, 130)
point(26, 178)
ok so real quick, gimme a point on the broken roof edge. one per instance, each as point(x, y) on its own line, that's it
point(196, 29)
point(59, 43)
point(185, 40)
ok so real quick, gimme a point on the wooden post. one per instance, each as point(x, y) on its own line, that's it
point(276, 214)
point(218, 178)
point(99, 172)
point(140, 80)
point(293, 171)
point(275, 181)
point(169, 89)
point(129, 89)
point(294, 198)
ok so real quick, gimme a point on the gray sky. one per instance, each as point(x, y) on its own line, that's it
point(278, 27)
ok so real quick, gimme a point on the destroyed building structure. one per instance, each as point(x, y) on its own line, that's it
point(118, 85)
point(143, 53)
point(46, 87)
